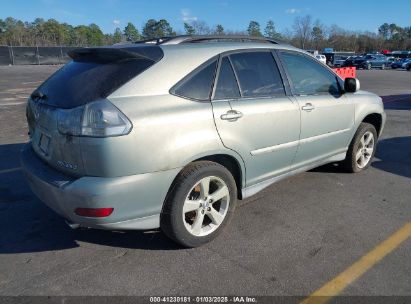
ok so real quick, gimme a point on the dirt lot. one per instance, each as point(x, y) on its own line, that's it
point(290, 239)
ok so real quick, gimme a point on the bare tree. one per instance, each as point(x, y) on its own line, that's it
point(200, 27)
point(302, 28)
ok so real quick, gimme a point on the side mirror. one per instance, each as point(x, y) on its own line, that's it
point(351, 85)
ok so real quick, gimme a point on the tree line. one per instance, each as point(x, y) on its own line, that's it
point(305, 33)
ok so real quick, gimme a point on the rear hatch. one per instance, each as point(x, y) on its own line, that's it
point(92, 75)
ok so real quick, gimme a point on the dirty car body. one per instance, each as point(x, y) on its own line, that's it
point(113, 130)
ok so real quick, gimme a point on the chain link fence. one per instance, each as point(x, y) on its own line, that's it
point(20, 55)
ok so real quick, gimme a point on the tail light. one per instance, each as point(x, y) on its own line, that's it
point(95, 119)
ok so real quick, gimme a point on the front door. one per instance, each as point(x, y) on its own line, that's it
point(327, 116)
point(253, 114)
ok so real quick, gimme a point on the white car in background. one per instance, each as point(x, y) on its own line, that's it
point(321, 58)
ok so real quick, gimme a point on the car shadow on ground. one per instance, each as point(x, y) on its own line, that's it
point(27, 225)
point(397, 102)
point(393, 155)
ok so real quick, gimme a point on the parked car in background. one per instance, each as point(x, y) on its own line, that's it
point(339, 61)
point(169, 133)
point(398, 63)
point(370, 61)
point(321, 58)
point(407, 65)
point(349, 62)
point(390, 59)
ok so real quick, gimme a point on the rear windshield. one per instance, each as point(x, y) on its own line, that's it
point(80, 82)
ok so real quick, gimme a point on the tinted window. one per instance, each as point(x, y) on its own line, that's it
point(198, 84)
point(80, 82)
point(258, 74)
point(308, 76)
point(227, 87)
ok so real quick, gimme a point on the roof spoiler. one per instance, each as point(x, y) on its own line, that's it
point(114, 54)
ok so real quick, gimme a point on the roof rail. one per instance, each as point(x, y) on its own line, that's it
point(208, 38)
point(159, 40)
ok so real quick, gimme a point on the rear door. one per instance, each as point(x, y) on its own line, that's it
point(327, 116)
point(254, 114)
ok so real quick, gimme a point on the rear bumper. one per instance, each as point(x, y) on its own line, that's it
point(137, 199)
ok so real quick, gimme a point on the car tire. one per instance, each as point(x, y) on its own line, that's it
point(383, 67)
point(362, 149)
point(368, 66)
point(199, 205)
point(408, 67)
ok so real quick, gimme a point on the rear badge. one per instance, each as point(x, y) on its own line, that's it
point(66, 165)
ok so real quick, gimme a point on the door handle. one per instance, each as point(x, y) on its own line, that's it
point(231, 115)
point(308, 107)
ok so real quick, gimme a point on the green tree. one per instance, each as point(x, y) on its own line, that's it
point(317, 34)
point(80, 34)
point(189, 29)
point(270, 31)
point(131, 32)
point(51, 31)
point(149, 29)
point(219, 29)
point(117, 35)
point(66, 34)
point(384, 31)
point(393, 29)
point(2, 26)
point(163, 28)
point(94, 36)
point(254, 29)
point(156, 29)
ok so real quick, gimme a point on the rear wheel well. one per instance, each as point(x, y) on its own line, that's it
point(231, 164)
point(374, 119)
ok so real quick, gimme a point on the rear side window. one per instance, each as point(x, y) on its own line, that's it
point(197, 85)
point(80, 82)
point(258, 74)
point(308, 76)
point(226, 87)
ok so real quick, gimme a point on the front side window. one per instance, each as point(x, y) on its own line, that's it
point(309, 77)
point(257, 74)
point(197, 85)
point(226, 87)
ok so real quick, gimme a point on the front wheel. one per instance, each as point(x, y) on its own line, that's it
point(362, 149)
point(383, 67)
point(200, 203)
point(368, 66)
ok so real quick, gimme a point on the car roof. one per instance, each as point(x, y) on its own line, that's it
point(178, 61)
point(209, 44)
point(221, 47)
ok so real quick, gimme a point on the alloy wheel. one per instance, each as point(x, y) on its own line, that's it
point(206, 206)
point(365, 150)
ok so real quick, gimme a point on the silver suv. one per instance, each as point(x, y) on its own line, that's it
point(170, 133)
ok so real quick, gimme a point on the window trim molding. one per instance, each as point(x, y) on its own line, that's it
point(190, 75)
point(217, 77)
point(290, 82)
point(284, 79)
